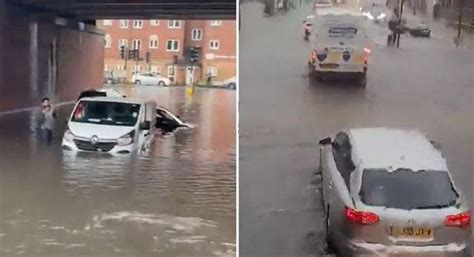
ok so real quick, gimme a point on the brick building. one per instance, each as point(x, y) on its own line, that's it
point(168, 43)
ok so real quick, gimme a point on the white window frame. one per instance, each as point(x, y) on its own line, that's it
point(137, 68)
point(154, 42)
point(119, 67)
point(172, 50)
point(212, 70)
point(123, 42)
point(154, 22)
point(107, 22)
point(139, 44)
point(171, 78)
point(123, 24)
point(174, 24)
point(216, 23)
point(214, 44)
point(196, 34)
point(137, 24)
point(108, 41)
point(107, 67)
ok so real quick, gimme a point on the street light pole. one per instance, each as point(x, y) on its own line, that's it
point(461, 8)
point(400, 23)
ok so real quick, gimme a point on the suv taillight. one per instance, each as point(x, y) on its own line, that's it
point(459, 220)
point(361, 217)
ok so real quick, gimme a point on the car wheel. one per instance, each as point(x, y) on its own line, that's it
point(231, 86)
point(161, 83)
point(330, 249)
point(138, 82)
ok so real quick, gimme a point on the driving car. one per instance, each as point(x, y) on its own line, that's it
point(150, 78)
point(376, 12)
point(110, 125)
point(415, 27)
point(389, 192)
point(339, 46)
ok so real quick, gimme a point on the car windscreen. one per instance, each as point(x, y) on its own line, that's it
point(342, 32)
point(406, 189)
point(106, 113)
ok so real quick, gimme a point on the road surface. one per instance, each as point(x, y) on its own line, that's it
point(427, 84)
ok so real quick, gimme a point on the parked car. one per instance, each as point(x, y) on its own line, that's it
point(230, 83)
point(110, 124)
point(389, 192)
point(150, 78)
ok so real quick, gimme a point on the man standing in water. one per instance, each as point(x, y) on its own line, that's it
point(45, 119)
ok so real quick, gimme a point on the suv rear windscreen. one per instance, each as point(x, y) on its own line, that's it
point(406, 189)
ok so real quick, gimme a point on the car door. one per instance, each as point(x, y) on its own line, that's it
point(165, 121)
point(341, 167)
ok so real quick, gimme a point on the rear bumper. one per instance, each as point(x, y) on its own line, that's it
point(368, 249)
point(349, 71)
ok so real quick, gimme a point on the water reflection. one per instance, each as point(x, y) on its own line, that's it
point(177, 200)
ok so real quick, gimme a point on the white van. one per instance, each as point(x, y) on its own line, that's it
point(339, 45)
point(110, 124)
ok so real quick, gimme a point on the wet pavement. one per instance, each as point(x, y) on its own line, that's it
point(427, 84)
point(178, 200)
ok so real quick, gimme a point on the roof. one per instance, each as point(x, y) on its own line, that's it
point(395, 148)
point(114, 99)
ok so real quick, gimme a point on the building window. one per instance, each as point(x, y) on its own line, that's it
point(107, 67)
point(153, 42)
point(174, 24)
point(137, 24)
point(214, 44)
point(136, 68)
point(155, 69)
point(107, 23)
point(136, 44)
point(124, 24)
point(172, 45)
point(171, 74)
point(154, 22)
point(216, 23)
point(108, 41)
point(123, 42)
point(212, 71)
point(120, 67)
point(196, 34)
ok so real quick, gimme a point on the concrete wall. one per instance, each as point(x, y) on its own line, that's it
point(39, 58)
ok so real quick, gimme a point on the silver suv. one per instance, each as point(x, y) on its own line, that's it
point(388, 192)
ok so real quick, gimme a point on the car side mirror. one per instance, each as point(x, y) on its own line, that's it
point(325, 141)
point(145, 125)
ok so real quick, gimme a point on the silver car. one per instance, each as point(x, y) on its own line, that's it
point(388, 192)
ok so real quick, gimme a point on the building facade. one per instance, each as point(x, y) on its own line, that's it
point(167, 45)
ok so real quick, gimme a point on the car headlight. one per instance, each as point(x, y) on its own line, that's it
point(381, 16)
point(126, 139)
point(369, 15)
point(68, 136)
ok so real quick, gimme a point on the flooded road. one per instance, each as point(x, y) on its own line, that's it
point(427, 84)
point(177, 200)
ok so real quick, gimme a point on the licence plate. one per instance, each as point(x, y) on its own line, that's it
point(329, 65)
point(411, 232)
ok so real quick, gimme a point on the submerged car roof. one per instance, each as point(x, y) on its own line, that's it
point(114, 99)
point(395, 148)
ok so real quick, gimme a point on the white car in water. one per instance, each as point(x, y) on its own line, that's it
point(150, 78)
point(113, 125)
point(389, 192)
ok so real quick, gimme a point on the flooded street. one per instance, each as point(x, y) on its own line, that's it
point(177, 200)
point(427, 85)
